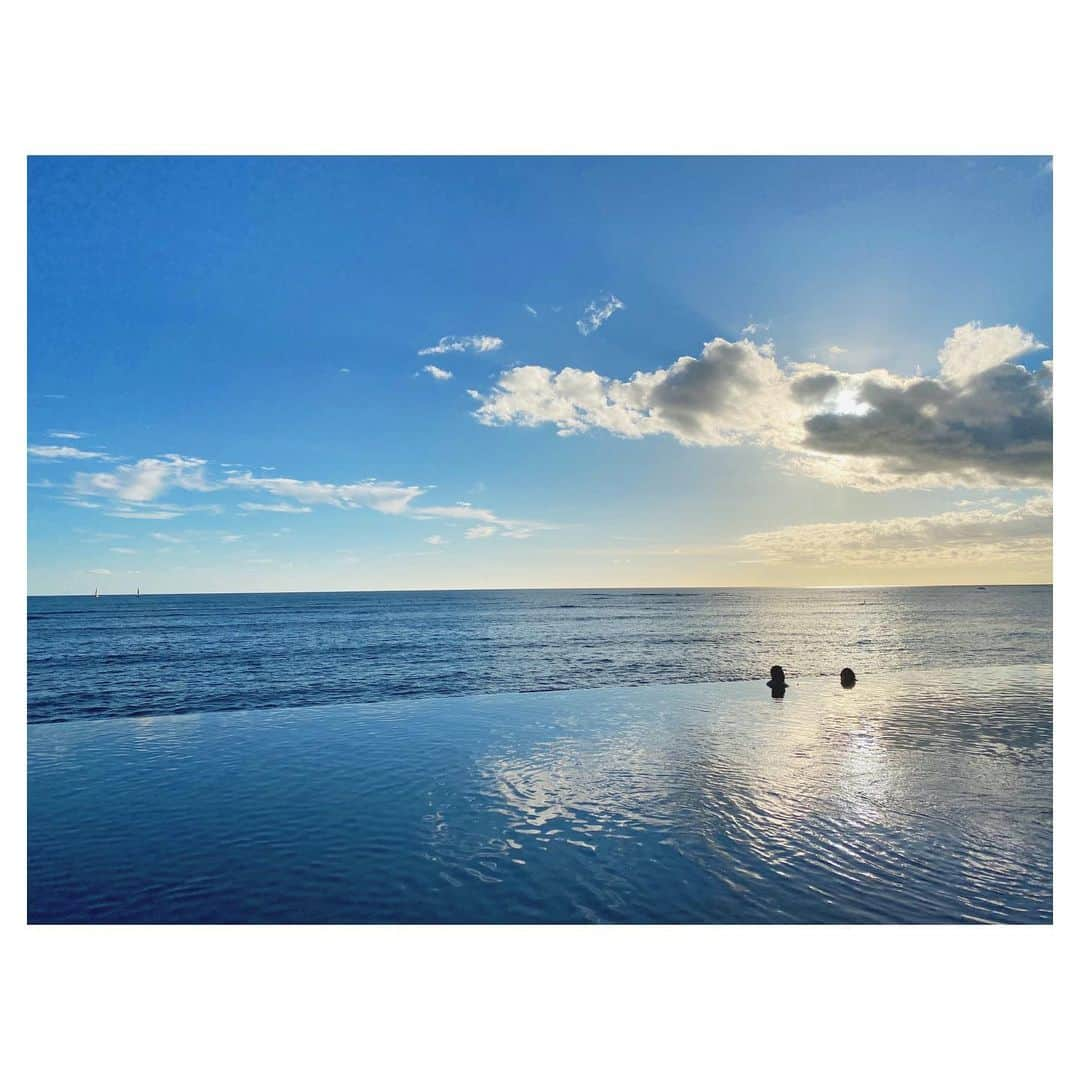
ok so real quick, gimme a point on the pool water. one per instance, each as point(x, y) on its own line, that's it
point(914, 797)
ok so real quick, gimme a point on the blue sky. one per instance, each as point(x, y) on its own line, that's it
point(212, 329)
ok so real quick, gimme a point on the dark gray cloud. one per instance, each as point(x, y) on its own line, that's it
point(810, 388)
point(994, 428)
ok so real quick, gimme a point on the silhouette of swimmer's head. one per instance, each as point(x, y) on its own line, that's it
point(847, 678)
point(776, 681)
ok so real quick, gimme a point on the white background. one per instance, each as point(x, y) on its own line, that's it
point(471, 77)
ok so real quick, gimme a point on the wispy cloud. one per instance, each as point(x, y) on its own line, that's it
point(100, 570)
point(146, 479)
point(531, 310)
point(435, 540)
point(480, 532)
point(752, 328)
point(383, 496)
point(123, 551)
point(274, 508)
point(388, 497)
point(167, 538)
point(140, 513)
point(438, 372)
point(477, 343)
point(67, 434)
point(836, 350)
point(598, 312)
point(133, 492)
point(66, 453)
point(507, 527)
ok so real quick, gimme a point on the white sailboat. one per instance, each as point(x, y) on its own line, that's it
point(97, 594)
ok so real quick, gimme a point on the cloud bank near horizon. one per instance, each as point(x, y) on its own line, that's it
point(995, 532)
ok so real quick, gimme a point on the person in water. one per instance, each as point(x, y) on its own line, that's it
point(847, 678)
point(776, 681)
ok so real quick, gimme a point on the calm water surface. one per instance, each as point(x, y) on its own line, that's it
point(922, 796)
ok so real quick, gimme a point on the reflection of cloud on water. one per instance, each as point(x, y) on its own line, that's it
point(906, 797)
point(615, 784)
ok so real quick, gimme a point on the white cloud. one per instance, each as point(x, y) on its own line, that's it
point(343, 371)
point(167, 538)
point(129, 491)
point(438, 372)
point(386, 496)
point(531, 310)
point(435, 540)
point(986, 422)
point(274, 508)
point(508, 527)
point(99, 570)
point(480, 532)
point(753, 328)
point(836, 350)
point(477, 343)
point(65, 453)
point(973, 349)
point(67, 434)
point(990, 533)
point(733, 392)
point(598, 312)
point(135, 512)
point(123, 551)
point(146, 479)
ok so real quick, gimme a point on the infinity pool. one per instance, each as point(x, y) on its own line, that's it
point(911, 798)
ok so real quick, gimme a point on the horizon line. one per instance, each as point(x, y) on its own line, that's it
point(558, 588)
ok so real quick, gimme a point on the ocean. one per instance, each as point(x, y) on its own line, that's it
point(389, 757)
point(127, 656)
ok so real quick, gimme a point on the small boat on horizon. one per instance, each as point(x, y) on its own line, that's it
point(97, 594)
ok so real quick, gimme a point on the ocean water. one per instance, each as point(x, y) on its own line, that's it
point(154, 655)
point(921, 797)
point(386, 757)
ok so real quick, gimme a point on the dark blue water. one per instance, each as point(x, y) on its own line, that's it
point(921, 798)
point(125, 656)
